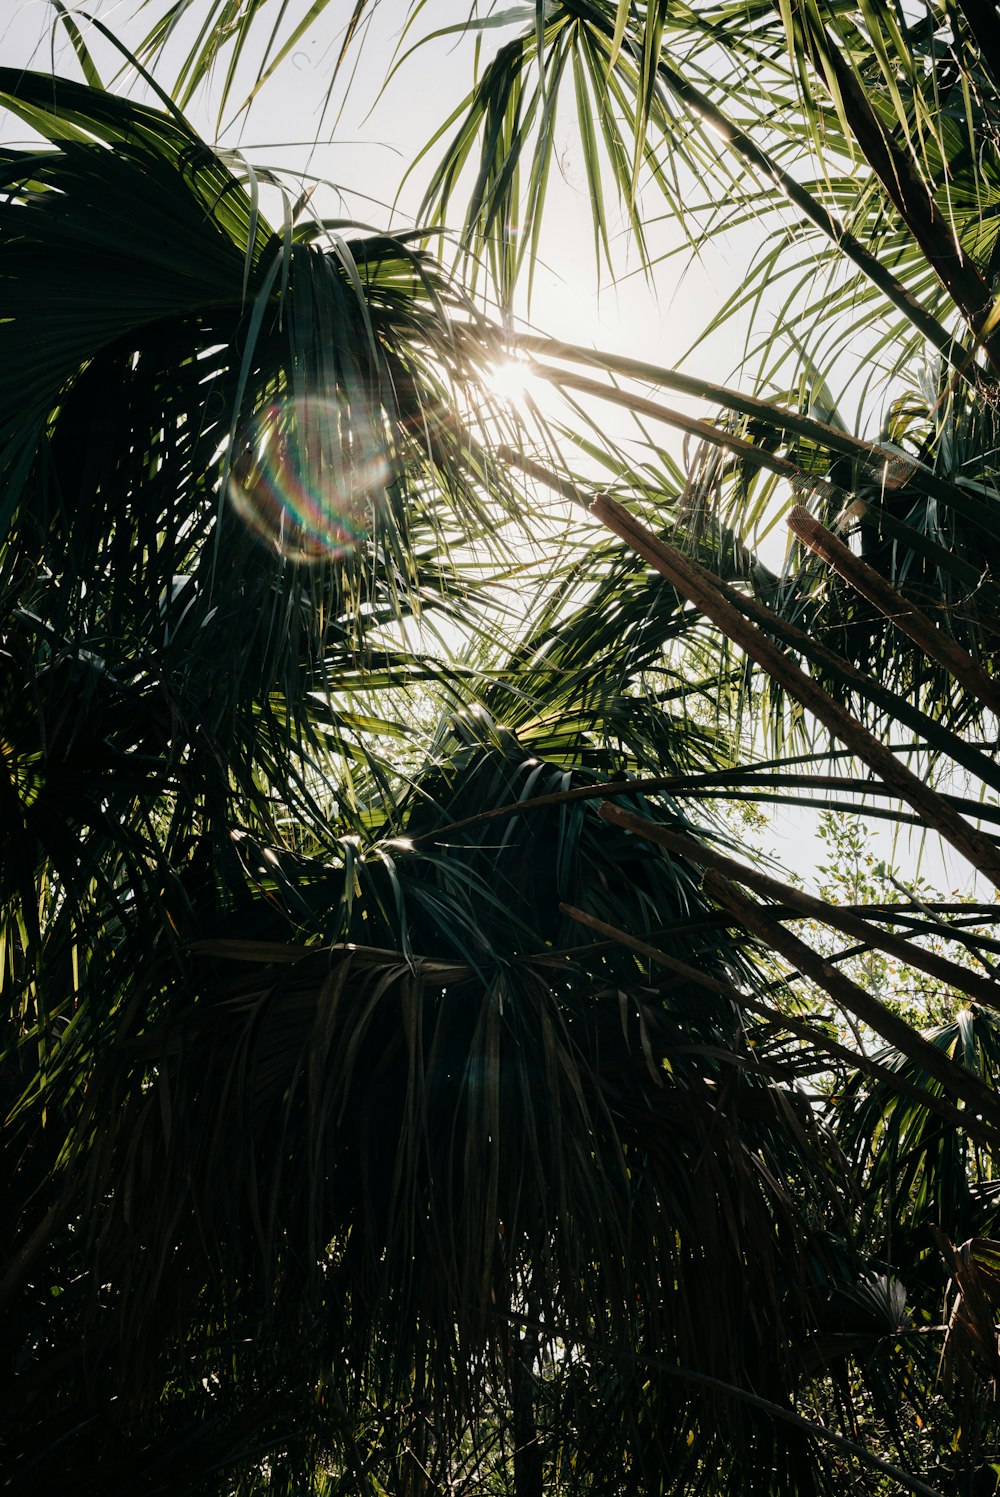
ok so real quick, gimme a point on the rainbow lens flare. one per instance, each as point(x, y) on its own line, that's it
point(308, 477)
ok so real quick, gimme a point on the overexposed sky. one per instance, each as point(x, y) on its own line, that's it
point(364, 143)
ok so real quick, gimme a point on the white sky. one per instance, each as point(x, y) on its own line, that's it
point(366, 150)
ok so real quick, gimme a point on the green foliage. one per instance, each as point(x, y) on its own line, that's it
point(855, 875)
point(381, 1113)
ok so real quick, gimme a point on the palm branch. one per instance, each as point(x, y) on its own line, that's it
point(383, 1110)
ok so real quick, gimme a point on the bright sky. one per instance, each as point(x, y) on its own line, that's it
point(366, 150)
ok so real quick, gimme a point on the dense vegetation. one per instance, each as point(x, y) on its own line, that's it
point(412, 1080)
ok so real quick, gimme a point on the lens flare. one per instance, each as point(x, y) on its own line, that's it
point(308, 476)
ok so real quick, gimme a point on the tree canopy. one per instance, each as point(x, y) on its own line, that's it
point(414, 1077)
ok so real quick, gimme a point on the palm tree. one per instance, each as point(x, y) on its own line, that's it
point(391, 1102)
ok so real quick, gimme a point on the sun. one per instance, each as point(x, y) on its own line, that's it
point(515, 382)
